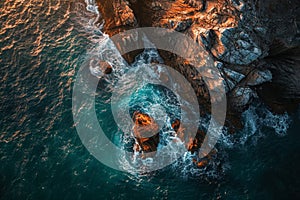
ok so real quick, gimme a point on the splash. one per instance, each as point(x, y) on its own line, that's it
point(257, 119)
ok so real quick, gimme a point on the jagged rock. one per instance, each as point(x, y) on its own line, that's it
point(233, 75)
point(181, 26)
point(241, 96)
point(235, 47)
point(117, 15)
point(202, 35)
point(198, 4)
point(228, 44)
point(219, 65)
point(146, 132)
point(229, 85)
point(236, 3)
point(258, 77)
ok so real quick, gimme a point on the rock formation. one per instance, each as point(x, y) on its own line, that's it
point(255, 44)
point(146, 132)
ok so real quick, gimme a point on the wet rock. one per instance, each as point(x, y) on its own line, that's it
point(183, 25)
point(203, 36)
point(106, 68)
point(146, 132)
point(176, 125)
point(198, 4)
point(192, 75)
point(233, 75)
point(117, 16)
point(195, 143)
point(206, 160)
point(235, 47)
point(241, 96)
point(258, 77)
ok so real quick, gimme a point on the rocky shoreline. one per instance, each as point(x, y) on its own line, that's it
point(255, 45)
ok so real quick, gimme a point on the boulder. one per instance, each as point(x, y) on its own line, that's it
point(146, 132)
point(258, 77)
point(241, 96)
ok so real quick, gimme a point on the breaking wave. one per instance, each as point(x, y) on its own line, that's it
point(256, 120)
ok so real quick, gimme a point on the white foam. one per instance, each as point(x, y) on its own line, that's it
point(280, 123)
point(92, 6)
point(256, 119)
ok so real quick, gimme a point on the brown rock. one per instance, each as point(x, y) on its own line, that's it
point(145, 132)
point(117, 14)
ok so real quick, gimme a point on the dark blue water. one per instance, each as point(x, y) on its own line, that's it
point(43, 44)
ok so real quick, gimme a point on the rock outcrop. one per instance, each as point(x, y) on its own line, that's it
point(255, 44)
point(146, 133)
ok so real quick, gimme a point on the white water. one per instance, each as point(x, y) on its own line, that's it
point(256, 119)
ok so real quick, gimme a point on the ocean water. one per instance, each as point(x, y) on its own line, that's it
point(42, 46)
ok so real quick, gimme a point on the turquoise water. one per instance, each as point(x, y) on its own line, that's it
point(43, 44)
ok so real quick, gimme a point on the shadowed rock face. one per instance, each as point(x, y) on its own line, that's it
point(283, 93)
point(255, 44)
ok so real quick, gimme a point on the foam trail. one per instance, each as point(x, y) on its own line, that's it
point(91, 6)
